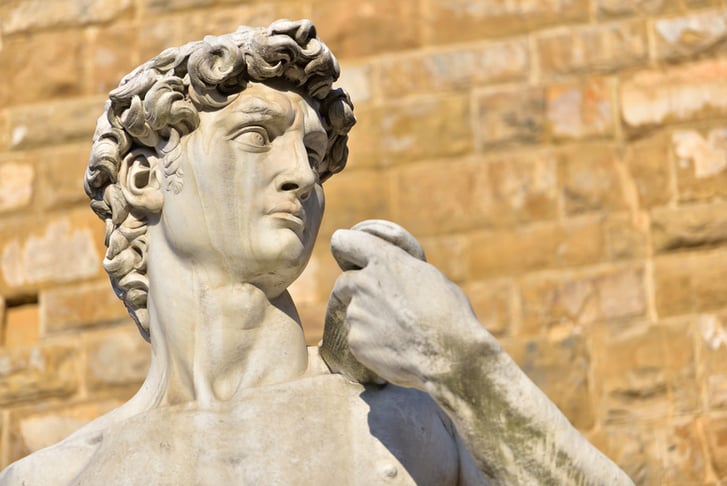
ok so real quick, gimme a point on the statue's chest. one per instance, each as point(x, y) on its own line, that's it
point(329, 433)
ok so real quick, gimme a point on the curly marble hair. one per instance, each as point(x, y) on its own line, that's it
point(158, 103)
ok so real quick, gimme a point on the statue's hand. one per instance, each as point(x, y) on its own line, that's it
point(408, 323)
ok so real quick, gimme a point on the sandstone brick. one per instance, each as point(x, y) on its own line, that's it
point(689, 227)
point(21, 326)
point(637, 368)
point(712, 337)
point(25, 62)
point(68, 308)
point(162, 6)
point(53, 122)
point(454, 69)
point(25, 15)
point(687, 283)
point(512, 115)
point(492, 302)
point(425, 128)
point(343, 210)
point(684, 460)
point(60, 173)
point(17, 180)
point(583, 110)
point(687, 92)
point(701, 163)
point(690, 35)
point(552, 304)
point(600, 47)
point(364, 140)
point(39, 372)
point(560, 369)
point(356, 80)
point(716, 432)
point(449, 254)
point(650, 167)
point(380, 25)
point(62, 249)
point(116, 358)
point(113, 51)
point(464, 20)
point(612, 8)
point(536, 247)
point(625, 238)
point(447, 196)
point(34, 428)
point(590, 179)
point(636, 447)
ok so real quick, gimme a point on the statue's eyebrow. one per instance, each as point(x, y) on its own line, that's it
point(258, 110)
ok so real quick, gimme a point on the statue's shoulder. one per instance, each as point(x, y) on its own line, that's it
point(57, 464)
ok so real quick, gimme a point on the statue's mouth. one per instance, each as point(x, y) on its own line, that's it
point(291, 217)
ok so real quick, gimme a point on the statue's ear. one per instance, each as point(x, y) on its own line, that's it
point(139, 178)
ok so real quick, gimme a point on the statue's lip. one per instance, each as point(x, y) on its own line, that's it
point(290, 214)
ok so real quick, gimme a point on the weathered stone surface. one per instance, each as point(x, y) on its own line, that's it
point(690, 35)
point(687, 92)
point(62, 250)
point(21, 326)
point(60, 169)
point(712, 337)
point(560, 369)
point(357, 82)
point(449, 254)
point(425, 128)
point(17, 180)
point(557, 304)
point(607, 8)
point(701, 163)
point(54, 122)
point(689, 226)
point(716, 431)
point(536, 247)
point(493, 302)
point(116, 358)
point(600, 47)
point(34, 429)
point(513, 115)
point(649, 165)
point(591, 179)
point(446, 196)
point(162, 6)
point(636, 447)
point(638, 368)
point(113, 50)
point(26, 57)
point(684, 461)
point(626, 238)
point(33, 373)
point(67, 308)
point(454, 69)
point(462, 20)
point(24, 15)
point(381, 25)
point(686, 283)
point(582, 110)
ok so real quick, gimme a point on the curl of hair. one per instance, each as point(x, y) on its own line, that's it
point(159, 102)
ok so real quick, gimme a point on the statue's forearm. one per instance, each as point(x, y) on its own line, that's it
point(513, 431)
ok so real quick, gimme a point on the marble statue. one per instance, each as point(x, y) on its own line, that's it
point(206, 168)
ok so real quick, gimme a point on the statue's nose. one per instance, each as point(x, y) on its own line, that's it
point(300, 176)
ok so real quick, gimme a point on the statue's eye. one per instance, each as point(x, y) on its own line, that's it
point(253, 138)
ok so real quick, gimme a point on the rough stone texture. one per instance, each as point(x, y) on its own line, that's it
point(701, 163)
point(72, 307)
point(59, 183)
point(16, 185)
point(116, 359)
point(22, 16)
point(683, 93)
point(493, 303)
point(604, 47)
point(514, 115)
point(650, 168)
point(689, 227)
point(607, 8)
point(32, 373)
point(690, 35)
point(580, 110)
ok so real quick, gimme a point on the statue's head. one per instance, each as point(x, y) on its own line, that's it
point(205, 124)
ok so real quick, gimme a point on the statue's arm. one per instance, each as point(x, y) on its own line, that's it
point(413, 327)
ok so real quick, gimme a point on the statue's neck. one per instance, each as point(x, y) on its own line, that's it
point(212, 339)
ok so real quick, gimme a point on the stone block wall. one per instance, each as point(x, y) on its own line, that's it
point(565, 161)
